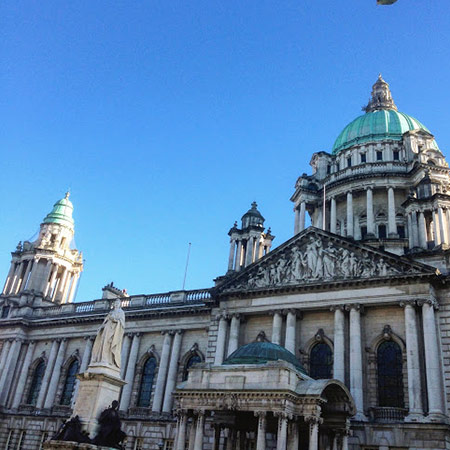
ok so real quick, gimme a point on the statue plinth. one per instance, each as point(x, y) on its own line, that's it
point(99, 386)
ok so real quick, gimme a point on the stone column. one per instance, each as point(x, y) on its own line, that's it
point(432, 363)
point(413, 363)
point(293, 435)
point(336, 440)
point(5, 351)
point(276, 327)
point(436, 229)
point(129, 375)
point(27, 273)
point(192, 434)
point(237, 262)
point(339, 344)
point(16, 278)
point(9, 278)
point(349, 214)
point(173, 371)
point(249, 251)
point(48, 268)
point(261, 435)
point(333, 222)
point(231, 437)
point(296, 220)
point(231, 255)
point(23, 375)
point(125, 353)
point(414, 230)
point(319, 217)
point(282, 431)
point(422, 231)
point(8, 370)
point(85, 360)
point(162, 372)
point(291, 327)
point(313, 431)
point(71, 294)
point(392, 223)
point(233, 341)
point(47, 374)
point(199, 430)
point(356, 367)
point(302, 216)
point(50, 398)
point(442, 226)
point(181, 430)
point(369, 215)
point(221, 337)
point(410, 233)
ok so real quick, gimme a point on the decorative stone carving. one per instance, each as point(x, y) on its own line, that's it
point(316, 257)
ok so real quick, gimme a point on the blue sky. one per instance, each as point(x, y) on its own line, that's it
point(168, 118)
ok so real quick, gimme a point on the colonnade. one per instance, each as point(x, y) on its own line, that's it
point(425, 225)
point(229, 437)
point(167, 370)
point(352, 229)
point(56, 282)
point(229, 324)
point(244, 250)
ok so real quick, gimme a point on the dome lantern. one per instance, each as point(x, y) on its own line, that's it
point(381, 97)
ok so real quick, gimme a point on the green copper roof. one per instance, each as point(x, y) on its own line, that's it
point(377, 126)
point(61, 213)
point(262, 352)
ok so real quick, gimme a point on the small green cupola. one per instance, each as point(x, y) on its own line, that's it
point(61, 213)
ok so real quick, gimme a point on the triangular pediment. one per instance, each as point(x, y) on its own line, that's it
point(316, 256)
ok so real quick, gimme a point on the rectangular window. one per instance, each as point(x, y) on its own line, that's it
point(396, 155)
point(138, 444)
point(363, 158)
point(328, 169)
point(338, 167)
point(349, 162)
point(401, 231)
point(379, 156)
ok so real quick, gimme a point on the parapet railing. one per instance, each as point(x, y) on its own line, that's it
point(135, 301)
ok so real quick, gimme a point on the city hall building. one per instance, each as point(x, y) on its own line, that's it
point(337, 339)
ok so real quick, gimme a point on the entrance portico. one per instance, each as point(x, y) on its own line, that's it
point(265, 406)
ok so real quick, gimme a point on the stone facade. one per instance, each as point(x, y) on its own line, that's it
point(370, 275)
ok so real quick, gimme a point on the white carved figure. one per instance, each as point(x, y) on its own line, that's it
point(314, 260)
point(108, 342)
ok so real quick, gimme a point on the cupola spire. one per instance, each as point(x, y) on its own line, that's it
point(381, 97)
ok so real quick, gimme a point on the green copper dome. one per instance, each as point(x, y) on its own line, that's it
point(261, 353)
point(61, 213)
point(377, 126)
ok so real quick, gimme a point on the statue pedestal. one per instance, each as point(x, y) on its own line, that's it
point(98, 387)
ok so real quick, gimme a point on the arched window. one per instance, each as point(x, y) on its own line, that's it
point(321, 361)
point(145, 390)
point(192, 360)
point(69, 384)
point(36, 382)
point(390, 374)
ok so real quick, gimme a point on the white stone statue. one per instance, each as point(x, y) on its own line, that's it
point(108, 343)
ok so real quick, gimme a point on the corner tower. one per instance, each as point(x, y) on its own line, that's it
point(49, 267)
point(250, 242)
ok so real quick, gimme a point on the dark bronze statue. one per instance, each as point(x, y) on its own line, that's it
point(109, 433)
point(71, 431)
